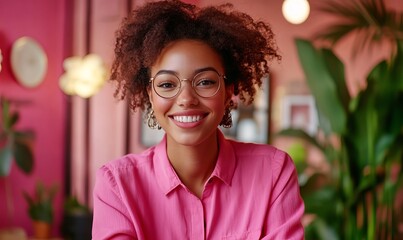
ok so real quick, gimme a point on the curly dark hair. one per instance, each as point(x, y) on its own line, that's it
point(246, 46)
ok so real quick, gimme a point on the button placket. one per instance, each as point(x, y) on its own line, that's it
point(198, 220)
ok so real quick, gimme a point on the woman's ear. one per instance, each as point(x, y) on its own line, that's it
point(149, 92)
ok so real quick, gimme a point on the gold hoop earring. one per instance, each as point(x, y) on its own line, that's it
point(152, 121)
point(226, 121)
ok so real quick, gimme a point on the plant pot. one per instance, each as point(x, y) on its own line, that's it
point(42, 230)
point(77, 226)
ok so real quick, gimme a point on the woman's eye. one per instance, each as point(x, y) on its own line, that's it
point(206, 82)
point(166, 85)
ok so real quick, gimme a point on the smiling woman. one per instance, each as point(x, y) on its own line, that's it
point(184, 66)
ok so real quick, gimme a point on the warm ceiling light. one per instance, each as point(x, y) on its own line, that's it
point(84, 76)
point(295, 11)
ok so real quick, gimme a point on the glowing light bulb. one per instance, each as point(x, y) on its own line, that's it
point(295, 11)
point(84, 76)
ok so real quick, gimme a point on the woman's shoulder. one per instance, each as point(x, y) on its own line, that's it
point(130, 162)
point(257, 152)
point(246, 148)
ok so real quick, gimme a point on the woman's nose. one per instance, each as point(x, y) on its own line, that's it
point(187, 95)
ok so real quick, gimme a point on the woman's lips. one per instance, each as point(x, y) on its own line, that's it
point(188, 120)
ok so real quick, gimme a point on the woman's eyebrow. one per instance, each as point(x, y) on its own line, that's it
point(205, 69)
point(165, 71)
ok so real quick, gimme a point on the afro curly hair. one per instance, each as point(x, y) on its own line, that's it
point(245, 45)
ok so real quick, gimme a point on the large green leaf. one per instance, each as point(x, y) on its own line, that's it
point(299, 133)
point(361, 137)
point(6, 157)
point(377, 120)
point(318, 203)
point(9, 118)
point(323, 87)
point(23, 156)
point(324, 230)
point(13, 143)
point(388, 81)
point(336, 70)
point(383, 146)
point(397, 71)
point(313, 182)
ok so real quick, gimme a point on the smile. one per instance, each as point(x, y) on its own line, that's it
point(187, 119)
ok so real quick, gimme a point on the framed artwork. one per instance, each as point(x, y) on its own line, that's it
point(251, 123)
point(299, 112)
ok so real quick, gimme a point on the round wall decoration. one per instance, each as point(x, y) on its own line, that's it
point(28, 62)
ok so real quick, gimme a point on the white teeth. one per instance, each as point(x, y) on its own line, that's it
point(187, 119)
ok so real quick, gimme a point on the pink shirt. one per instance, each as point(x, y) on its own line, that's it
point(253, 193)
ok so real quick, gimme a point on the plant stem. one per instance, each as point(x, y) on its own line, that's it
point(9, 202)
point(372, 216)
point(365, 215)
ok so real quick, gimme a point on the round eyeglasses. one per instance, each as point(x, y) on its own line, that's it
point(167, 85)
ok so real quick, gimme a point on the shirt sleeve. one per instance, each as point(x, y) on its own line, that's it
point(111, 218)
point(286, 205)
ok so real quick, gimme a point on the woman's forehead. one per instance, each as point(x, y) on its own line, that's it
point(187, 56)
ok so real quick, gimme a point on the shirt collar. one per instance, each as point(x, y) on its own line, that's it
point(226, 161)
point(165, 174)
point(169, 180)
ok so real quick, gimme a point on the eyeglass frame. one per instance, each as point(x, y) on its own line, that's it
point(191, 80)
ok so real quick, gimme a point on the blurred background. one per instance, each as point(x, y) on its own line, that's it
point(69, 124)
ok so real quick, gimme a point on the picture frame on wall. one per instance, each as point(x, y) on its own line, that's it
point(299, 112)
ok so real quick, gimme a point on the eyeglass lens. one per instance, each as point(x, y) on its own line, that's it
point(168, 85)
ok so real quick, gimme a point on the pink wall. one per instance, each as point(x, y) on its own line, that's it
point(45, 114)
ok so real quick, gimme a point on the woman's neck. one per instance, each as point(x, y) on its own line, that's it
point(194, 164)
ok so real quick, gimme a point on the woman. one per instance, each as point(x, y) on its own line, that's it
point(184, 65)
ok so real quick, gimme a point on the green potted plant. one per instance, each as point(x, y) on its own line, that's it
point(40, 209)
point(360, 136)
point(15, 145)
point(77, 220)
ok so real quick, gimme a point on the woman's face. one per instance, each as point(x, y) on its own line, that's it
point(187, 118)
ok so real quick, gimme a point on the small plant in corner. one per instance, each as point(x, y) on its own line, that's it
point(40, 209)
point(73, 206)
point(77, 220)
